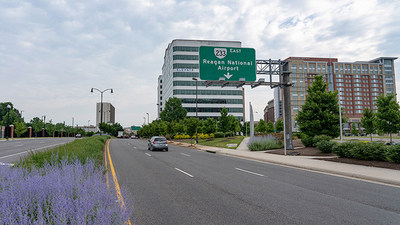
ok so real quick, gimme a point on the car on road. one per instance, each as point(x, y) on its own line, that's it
point(78, 135)
point(158, 143)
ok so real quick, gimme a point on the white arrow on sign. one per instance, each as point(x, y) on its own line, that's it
point(228, 75)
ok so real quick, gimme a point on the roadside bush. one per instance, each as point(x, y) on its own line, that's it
point(393, 153)
point(307, 141)
point(219, 134)
point(325, 146)
point(319, 138)
point(261, 143)
point(363, 151)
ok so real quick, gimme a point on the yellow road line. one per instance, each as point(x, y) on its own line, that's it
point(117, 189)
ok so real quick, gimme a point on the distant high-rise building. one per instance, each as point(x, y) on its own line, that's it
point(359, 83)
point(108, 113)
point(181, 65)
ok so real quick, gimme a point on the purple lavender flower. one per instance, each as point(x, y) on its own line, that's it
point(66, 193)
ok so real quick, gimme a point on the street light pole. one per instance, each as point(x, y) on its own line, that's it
point(8, 121)
point(340, 118)
point(197, 117)
point(148, 121)
point(101, 102)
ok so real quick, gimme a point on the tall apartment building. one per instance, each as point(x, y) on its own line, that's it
point(359, 83)
point(181, 65)
point(108, 113)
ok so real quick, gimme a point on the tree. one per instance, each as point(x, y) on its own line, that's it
point(190, 126)
point(234, 125)
point(223, 123)
point(60, 128)
point(261, 127)
point(388, 115)
point(20, 128)
point(37, 125)
point(279, 126)
point(246, 128)
point(270, 127)
point(368, 122)
point(210, 126)
point(320, 112)
point(354, 129)
point(173, 110)
point(51, 128)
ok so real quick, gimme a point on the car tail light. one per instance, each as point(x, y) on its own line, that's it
point(166, 141)
point(154, 142)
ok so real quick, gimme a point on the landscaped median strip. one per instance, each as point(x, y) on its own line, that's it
point(59, 190)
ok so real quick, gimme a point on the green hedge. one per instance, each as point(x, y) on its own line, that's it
point(368, 151)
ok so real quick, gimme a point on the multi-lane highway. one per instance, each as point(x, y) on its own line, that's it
point(12, 150)
point(185, 186)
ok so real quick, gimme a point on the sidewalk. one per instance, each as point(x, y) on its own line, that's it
point(375, 174)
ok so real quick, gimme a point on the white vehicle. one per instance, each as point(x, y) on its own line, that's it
point(120, 134)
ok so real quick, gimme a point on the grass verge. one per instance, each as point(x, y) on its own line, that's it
point(81, 149)
point(219, 142)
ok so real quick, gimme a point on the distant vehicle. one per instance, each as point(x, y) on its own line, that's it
point(158, 143)
point(392, 143)
point(133, 137)
point(120, 134)
point(78, 135)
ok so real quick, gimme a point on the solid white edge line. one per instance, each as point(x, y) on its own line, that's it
point(250, 172)
point(147, 154)
point(184, 172)
point(185, 154)
point(33, 150)
point(6, 164)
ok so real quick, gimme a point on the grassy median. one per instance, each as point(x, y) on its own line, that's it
point(219, 142)
point(80, 149)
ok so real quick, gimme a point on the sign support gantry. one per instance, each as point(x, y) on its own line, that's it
point(270, 69)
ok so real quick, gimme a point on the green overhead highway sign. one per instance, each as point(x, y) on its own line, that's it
point(232, 64)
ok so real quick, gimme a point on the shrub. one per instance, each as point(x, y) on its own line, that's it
point(263, 143)
point(393, 153)
point(219, 134)
point(319, 138)
point(325, 146)
point(69, 193)
point(307, 141)
point(363, 151)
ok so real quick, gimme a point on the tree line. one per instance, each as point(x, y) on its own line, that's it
point(14, 117)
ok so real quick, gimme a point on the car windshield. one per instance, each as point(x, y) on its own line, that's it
point(160, 139)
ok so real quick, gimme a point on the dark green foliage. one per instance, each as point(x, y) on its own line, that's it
point(368, 122)
point(279, 126)
point(320, 113)
point(319, 138)
point(224, 121)
point(388, 115)
point(307, 141)
point(363, 151)
point(393, 153)
point(173, 110)
point(325, 146)
point(261, 127)
point(354, 129)
point(219, 134)
point(270, 127)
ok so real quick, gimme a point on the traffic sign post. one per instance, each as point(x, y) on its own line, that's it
point(231, 64)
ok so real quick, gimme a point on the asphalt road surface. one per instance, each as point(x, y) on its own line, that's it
point(12, 150)
point(186, 186)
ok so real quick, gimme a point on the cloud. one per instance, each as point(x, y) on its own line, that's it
point(53, 52)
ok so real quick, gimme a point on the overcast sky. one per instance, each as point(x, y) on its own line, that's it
point(52, 52)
